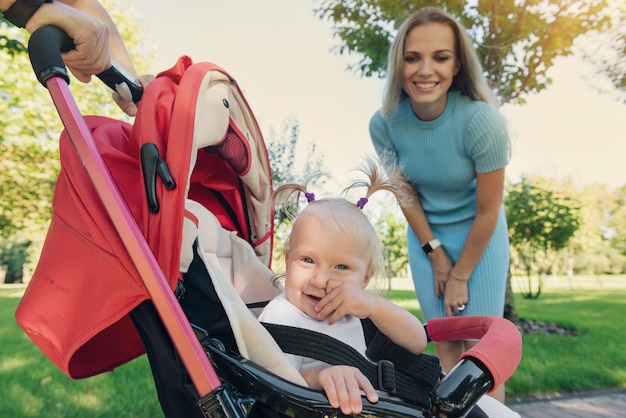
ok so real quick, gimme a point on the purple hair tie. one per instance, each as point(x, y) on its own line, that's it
point(362, 201)
point(309, 197)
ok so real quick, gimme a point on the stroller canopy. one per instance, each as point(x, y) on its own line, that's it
point(76, 306)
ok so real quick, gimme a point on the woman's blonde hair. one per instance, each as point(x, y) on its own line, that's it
point(470, 80)
point(344, 217)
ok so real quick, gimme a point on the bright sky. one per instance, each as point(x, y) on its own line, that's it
point(280, 54)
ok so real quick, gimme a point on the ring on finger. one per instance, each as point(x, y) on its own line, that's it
point(460, 307)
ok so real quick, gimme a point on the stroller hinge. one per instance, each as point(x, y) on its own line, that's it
point(220, 403)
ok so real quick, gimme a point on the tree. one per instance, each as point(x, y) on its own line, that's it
point(282, 150)
point(607, 51)
point(517, 41)
point(541, 222)
point(27, 176)
point(618, 221)
point(391, 228)
point(594, 247)
point(30, 128)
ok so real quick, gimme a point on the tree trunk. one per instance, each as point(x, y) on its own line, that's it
point(510, 312)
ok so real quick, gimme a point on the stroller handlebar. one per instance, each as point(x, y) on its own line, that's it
point(45, 47)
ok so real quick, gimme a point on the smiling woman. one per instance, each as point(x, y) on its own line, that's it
point(430, 64)
point(439, 125)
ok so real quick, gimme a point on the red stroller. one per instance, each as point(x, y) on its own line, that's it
point(160, 243)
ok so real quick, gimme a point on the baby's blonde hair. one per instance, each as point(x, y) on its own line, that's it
point(340, 214)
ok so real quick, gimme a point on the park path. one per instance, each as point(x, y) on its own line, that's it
point(593, 404)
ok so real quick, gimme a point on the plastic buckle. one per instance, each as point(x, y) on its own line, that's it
point(387, 376)
point(179, 292)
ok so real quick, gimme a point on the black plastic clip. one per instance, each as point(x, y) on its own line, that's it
point(151, 165)
point(387, 376)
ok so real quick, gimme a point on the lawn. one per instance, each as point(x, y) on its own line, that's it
point(595, 358)
point(33, 387)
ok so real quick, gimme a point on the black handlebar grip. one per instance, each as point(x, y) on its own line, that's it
point(45, 47)
point(116, 75)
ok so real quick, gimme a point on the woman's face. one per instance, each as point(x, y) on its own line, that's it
point(429, 65)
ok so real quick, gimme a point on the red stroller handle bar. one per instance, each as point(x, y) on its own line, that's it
point(45, 47)
point(500, 346)
point(50, 70)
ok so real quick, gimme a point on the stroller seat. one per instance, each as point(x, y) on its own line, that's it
point(257, 368)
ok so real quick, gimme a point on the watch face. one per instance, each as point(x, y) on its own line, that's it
point(430, 246)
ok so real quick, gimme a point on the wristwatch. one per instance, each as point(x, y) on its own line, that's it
point(430, 246)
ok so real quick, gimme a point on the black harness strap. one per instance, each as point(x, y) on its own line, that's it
point(383, 375)
point(424, 367)
point(393, 369)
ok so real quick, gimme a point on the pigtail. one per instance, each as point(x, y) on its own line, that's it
point(381, 177)
point(403, 189)
point(287, 196)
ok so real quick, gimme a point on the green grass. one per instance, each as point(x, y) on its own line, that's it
point(33, 387)
point(596, 358)
point(553, 364)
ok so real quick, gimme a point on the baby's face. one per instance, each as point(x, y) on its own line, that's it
point(316, 256)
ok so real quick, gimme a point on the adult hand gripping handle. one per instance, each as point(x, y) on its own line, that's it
point(45, 47)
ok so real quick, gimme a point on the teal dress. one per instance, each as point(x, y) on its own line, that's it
point(441, 158)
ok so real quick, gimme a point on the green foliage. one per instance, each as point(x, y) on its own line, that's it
point(282, 150)
point(541, 222)
point(28, 173)
point(9, 45)
point(30, 127)
point(517, 41)
point(13, 256)
point(543, 218)
point(391, 228)
point(617, 221)
point(607, 51)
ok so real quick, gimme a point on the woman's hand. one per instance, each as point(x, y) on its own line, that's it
point(91, 53)
point(456, 296)
point(123, 97)
point(441, 269)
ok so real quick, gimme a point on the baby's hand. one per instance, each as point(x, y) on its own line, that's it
point(343, 299)
point(343, 386)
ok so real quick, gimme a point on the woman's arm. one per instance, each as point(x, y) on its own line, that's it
point(416, 218)
point(489, 191)
point(94, 33)
point(96, 38)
